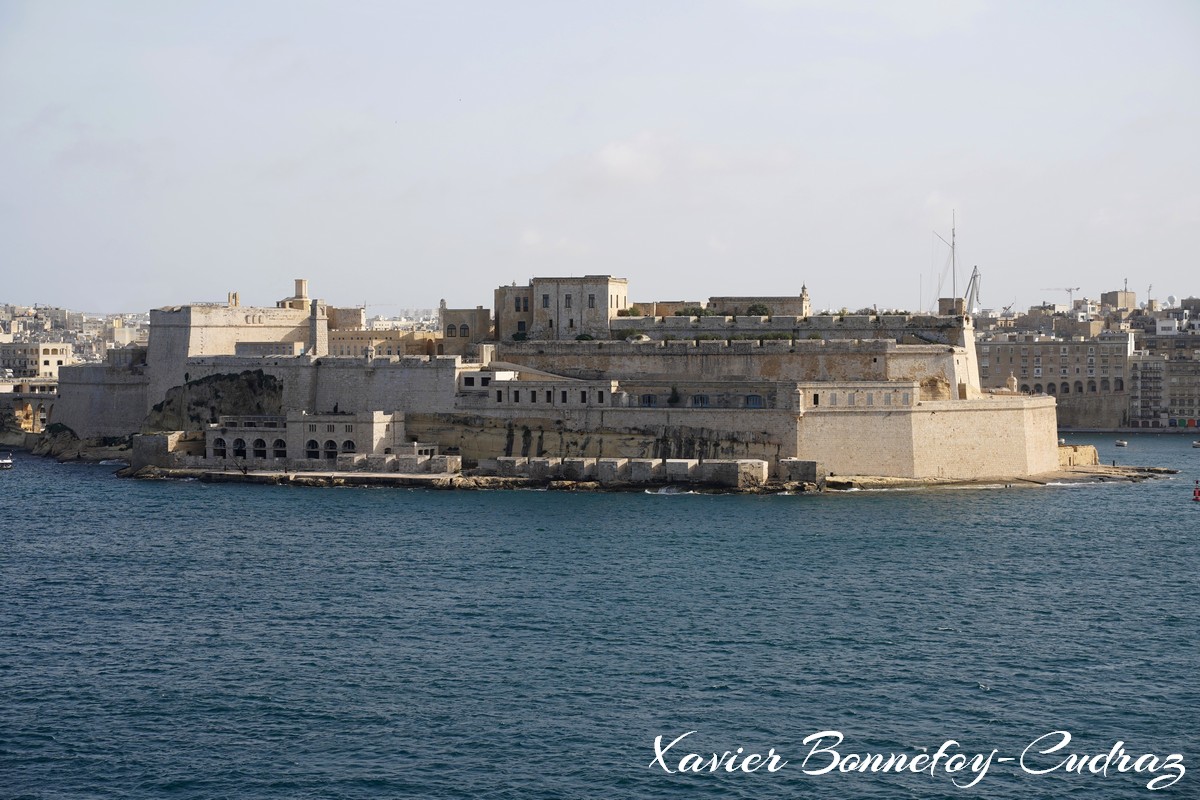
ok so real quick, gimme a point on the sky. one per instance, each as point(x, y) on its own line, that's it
point(400, 153)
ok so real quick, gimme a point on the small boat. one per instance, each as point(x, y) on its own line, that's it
point(6, 462)
point(1195, 444)
point(1122, 443)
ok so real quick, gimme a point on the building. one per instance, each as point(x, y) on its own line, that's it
point(560, 308)
point(35, 359)
point(896, 395)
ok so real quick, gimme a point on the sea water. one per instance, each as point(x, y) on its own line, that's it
point(191, 640)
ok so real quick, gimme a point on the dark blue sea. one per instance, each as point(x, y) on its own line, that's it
point(187, 640)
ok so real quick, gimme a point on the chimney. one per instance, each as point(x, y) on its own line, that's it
point(301, 289)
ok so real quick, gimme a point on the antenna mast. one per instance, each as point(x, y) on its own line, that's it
point(953, 267)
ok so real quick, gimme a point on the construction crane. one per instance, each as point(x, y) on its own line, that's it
point(1070, 293)
point(971, 298)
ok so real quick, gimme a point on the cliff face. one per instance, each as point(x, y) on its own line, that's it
point(197, 403)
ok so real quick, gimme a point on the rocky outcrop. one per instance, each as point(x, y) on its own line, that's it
point(198, 403)
point(61, 443)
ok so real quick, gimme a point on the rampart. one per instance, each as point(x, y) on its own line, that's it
point(772, 360)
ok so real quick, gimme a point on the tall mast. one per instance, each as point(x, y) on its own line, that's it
point(953, 267)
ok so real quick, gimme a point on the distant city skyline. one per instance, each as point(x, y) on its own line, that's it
point(402, 153)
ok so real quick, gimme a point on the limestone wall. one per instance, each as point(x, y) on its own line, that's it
point(947, 439)
point(765, 434)
point(181, 332)
point(776, 360)
point(96, 401)
point(411, 383)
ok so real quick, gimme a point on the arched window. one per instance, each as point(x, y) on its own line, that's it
point(218, 448)
point(1092, 386)
point(1105, 385)
point(347, 446)
point(1025, 387)
point(312, 449)
point(239, 448)
point(280, 448)
point(1037, 388)
point(451, 331)
point(260, 448)
point(1078, 387)
point(331, 449)
point(464, 331)
point(1118, 385)
point(1050, 388)
point(1066, 388)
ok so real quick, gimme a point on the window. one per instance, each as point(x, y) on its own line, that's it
point(516, 395)
point(591, 301)
point(816, 399)
point(349, 429)
point(347, 446)
point(312, 449)
point(567, 301)
point(520, 326)
point(331, 450)
point(649, 400)
point(583, 396)
point(218, 448)
point(484, 381)
point(754, 401)
point(524, 303)
point(564, 395)
point(887, 399)
point(600, 398)
point(517, 303)
point(469, 381)
point(260, 448)
point(451, 331)
point(499, 395)
point(279, 448)
point(312, 428)
point(545, 301)
point(699, 401)
point(533, 395)
point(464, 331)
point(239, 448)
point(330, 428)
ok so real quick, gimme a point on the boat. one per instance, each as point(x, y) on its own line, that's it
point(1196, 444)
point(6, 462)
point(1122, 443)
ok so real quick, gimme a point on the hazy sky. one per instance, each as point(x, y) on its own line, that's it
point(396, 153)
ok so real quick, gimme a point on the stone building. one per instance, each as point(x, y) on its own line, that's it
point(560, 308)
point(36, 359)
point(461, 328)
point(298, 439)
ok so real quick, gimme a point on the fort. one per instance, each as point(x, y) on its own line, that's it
point(564, 372)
